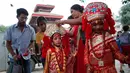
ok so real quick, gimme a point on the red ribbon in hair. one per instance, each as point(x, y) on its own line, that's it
point(110, 21)
point(87, 28)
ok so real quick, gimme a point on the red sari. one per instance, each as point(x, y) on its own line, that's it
point(100, 54)
point(79, 63)
point(66, 44)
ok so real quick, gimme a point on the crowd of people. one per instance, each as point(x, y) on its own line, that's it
point(88, 47)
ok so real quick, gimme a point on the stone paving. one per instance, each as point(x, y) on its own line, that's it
point(39, 69)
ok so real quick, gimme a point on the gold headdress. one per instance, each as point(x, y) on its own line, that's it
point(53, 28)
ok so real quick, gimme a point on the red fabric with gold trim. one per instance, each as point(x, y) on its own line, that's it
point(94, 11)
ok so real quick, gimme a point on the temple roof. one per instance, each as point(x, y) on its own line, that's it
point(45, 11)
point(43, 8)
point(46, 14)
point(49, 16)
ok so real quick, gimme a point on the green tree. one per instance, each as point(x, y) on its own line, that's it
point(125, 14)
point(3, 28)
point(125, 1)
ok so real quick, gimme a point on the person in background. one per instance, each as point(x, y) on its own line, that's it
point(78, 41)
point(118, 41)
point(119, 46)
point(124, 39)
point(41, 24)
point(41, 38)
point(20, 39)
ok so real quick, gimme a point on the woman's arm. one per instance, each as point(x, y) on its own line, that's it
point(77, 21)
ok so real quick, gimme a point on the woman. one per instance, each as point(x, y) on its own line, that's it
point(40, 38)
point(76, 34)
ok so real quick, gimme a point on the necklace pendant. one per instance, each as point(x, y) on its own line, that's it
point(100, 63)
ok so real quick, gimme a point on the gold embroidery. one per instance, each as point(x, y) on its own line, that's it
point(56, 62)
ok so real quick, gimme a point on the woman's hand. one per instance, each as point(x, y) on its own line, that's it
point(59, 22)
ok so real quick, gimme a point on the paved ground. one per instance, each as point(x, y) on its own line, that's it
point(39, 69)
point(125, 67)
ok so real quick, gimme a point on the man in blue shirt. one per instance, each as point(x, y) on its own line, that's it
point(20, 38)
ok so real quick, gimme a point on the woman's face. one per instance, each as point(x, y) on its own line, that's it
point(56, 39)
point(75, 13)
point(97, 25)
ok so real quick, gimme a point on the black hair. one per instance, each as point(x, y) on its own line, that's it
point(119, 32)
point(126, 28)
point(21, 11)
point(70, 17)
point(77, 7)
point(40, 19)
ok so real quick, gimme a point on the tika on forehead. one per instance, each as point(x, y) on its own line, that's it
point(95, 10)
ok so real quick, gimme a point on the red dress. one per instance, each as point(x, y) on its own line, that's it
point(66, 44)
point(79, 63)
point(55, 61)
point(100, 54)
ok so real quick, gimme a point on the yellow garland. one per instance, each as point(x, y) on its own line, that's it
point(56, 63)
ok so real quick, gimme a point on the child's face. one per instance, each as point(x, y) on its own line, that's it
point(42, 26)
point(57, 39)
point(97, 25)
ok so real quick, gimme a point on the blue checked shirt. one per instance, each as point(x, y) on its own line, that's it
point(20, 40)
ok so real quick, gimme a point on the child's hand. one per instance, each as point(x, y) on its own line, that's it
point(127, 59)
point(74, 52)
